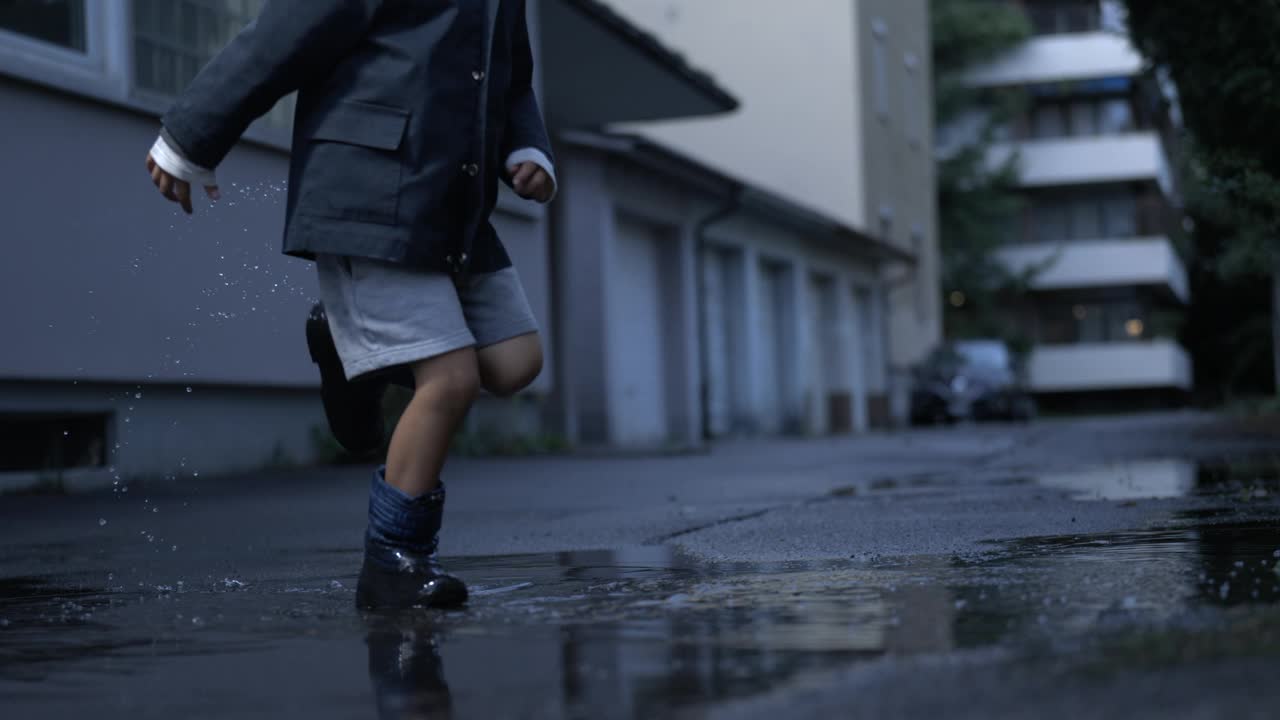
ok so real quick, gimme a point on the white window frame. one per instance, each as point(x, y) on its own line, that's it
point(95, 72)
point(104, 72)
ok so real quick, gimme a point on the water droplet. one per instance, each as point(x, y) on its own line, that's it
point(66, 433)
point(335, 585)
point(137, 396)
point(102, 522)
point(174, 549)
point(188, 389)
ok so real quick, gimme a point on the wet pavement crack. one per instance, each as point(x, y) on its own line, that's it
point(661, 539)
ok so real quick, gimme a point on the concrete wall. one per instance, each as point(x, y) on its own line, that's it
point(174, 431)
point(896, 81)
point(791, 65)
point(115, 283)
point(111, 286)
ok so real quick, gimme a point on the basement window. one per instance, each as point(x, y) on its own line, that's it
point(33, 442)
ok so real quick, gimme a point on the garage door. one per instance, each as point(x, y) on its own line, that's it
point(637, 381)
point(820, 343)
point(715, 308)
point(772, 363)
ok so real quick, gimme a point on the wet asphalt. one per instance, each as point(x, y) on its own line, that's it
point(1125, 567)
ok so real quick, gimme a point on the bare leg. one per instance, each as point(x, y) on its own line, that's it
point(446, 386)
point(509, 366)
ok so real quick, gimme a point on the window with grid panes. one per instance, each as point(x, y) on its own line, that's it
point(58, 22)
point(173, 39)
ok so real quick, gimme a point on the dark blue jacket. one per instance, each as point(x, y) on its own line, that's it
point(406, 113)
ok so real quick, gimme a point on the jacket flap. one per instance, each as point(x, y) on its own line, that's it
point(357, 123)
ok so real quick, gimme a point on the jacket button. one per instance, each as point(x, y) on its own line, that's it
point(477, 75)
point(471, 169)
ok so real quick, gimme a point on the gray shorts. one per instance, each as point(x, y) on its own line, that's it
point(383, 315)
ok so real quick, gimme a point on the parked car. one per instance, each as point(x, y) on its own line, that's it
point(970, 380)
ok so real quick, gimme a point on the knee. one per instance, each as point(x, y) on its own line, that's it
point(507, 379)
point(453, 387)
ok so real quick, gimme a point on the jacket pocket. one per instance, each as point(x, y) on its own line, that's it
point(352, 167)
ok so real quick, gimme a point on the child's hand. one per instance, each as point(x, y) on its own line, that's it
point(178, 191)
point(531, 182)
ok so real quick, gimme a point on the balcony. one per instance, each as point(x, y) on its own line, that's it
point(1128, 157)
point(1154, 364)
point(1062, 58)
point(1087, 264)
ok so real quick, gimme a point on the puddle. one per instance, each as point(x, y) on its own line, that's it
point(1257, 479)
point(1220, 565)
point(636, 633)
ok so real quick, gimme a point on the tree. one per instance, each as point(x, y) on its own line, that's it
point(976, 202)
point(1224, 62)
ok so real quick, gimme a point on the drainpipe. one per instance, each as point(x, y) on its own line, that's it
point(730, 208)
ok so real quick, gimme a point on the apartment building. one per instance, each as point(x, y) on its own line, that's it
point(1097, 156)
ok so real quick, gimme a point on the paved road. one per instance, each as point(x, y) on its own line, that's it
point(886, 576)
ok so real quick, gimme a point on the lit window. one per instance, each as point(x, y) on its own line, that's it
point(58, 22)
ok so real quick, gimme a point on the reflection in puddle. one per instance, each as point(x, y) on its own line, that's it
point(1158, 479)
point(635, 633)
point(1129, 481)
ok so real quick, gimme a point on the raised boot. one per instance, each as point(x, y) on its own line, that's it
point(353, 407)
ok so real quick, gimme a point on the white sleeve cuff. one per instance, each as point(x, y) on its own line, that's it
point(539, 158)
point(172, 162)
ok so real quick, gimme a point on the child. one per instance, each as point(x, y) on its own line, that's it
point(407, 113)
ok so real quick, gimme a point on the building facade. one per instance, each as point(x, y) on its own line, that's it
point(143, 343)
point(692, 280)
point(835, 121)
point(1097, 157)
